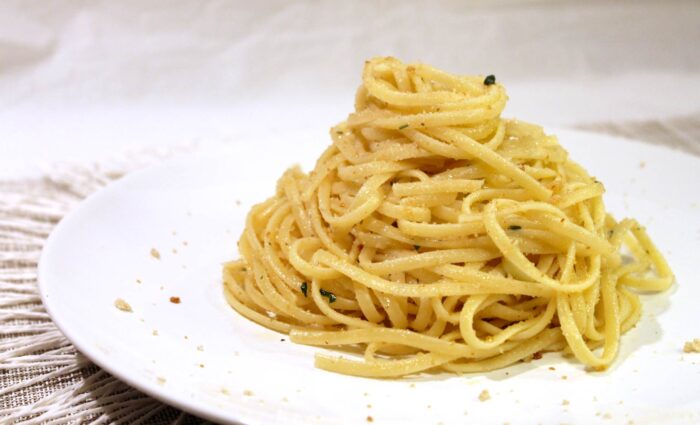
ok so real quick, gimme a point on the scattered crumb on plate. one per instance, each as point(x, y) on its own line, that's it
point(174, 251)
point(200, 348)
point(248, 393)
point(370, 419)
point(692, 346)
point(175, 300)
point(565, 402)
point(160, 380)
point(642, 164)
point(155, 332)
point(224, 391)
point(484, 395)
point(155, 254)
point(122, 305)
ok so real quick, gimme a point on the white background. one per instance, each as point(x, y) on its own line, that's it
point(83, 80)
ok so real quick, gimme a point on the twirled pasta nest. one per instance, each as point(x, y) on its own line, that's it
point(434, 234)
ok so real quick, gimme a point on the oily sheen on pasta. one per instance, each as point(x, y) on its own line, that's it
point(435, 235)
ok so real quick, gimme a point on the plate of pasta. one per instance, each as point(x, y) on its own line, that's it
point(435, 263)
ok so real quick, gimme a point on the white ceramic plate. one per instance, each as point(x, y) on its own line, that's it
point(210, 361)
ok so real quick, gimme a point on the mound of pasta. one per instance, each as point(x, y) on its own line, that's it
point(435, 235)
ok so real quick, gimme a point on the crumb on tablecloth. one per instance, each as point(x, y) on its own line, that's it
point(123, 305)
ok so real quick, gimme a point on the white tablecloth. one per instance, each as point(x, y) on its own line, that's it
point(82, 80)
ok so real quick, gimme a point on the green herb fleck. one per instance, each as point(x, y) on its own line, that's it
point(331, 297)
point(304, 288)
point(515, 227)
point(416, 247)
point(403, 126)
point(490, 79)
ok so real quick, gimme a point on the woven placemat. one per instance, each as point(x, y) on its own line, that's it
point(43, 378)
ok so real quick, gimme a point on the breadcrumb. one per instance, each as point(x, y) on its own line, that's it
point(155, 254)
point(484, 395)
point(247, 393)
point(692, 346)
point(123, 305)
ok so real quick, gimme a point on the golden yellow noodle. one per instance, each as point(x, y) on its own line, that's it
point(433, 234)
